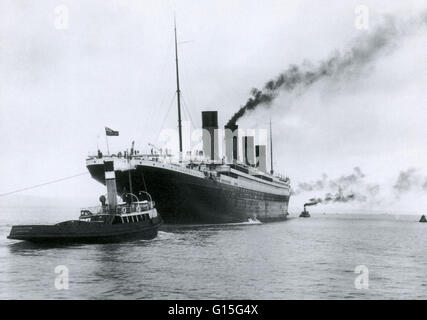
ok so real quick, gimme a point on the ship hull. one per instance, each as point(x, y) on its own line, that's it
point(86, 232)
point(186, 199)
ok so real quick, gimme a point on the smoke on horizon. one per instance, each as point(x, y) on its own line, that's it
point(354, 188)
point(346, 188)
point(338, 197)
point(410, 180)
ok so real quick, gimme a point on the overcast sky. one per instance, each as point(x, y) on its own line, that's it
point(113, 65)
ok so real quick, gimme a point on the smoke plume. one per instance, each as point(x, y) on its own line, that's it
point(356, 179)
point(410, 180)
point(361, 53)
point(338, 197)
point(346, 188)
point(353, 187)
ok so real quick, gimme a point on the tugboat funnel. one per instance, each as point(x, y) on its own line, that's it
point(110, 182)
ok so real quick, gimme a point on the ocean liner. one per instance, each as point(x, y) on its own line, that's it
point(211, 189)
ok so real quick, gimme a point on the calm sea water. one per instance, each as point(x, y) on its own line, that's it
point(311, 258)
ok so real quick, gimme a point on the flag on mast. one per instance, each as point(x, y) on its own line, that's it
point(111, 132)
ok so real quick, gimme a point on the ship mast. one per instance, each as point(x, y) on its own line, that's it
point(178, 92)
point(271, 149)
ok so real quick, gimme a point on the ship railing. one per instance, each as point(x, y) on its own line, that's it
point(140, 206)
point(94, 210)
point(90, 212)
point(123, 208)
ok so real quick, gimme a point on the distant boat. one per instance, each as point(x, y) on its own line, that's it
point(304, 214)
point(423, 218)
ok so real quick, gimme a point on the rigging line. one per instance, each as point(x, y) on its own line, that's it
point(186, 83)
point(188, 111)
point(186, 114)
point(190, 104)
point(162, 73)
point(43, 184)
point(186, 105)
point(166, 115)
point(143, 180)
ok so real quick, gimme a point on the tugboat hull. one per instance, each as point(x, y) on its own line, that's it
point(84, 232)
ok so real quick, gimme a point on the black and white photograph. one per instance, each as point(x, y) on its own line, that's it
point(239, 150)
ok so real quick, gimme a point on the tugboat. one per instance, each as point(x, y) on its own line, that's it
point(132, 219)
point(305, 213)
point(423, 218)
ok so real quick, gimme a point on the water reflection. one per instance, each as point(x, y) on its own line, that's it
point(25, 247)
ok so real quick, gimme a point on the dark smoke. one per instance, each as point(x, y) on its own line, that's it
point(356, 178)
point(347, 188)
point(311, 203)
point(363, 51)
point(349, 180)
point(338, 197)
point(354, 188)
